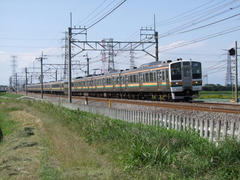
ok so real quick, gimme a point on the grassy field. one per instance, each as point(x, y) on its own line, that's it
point(216, 95)
point(80, 145)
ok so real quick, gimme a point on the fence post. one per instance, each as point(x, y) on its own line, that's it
point(218, 129)
point(192, 123)
point(174, 121)
point(206, 128)
point(142, 117)
point(188, 123)
point(148, 118)
point(165, 120)
point(211, 130)
point(145, 118)
point(233, 126)
point(159, 120)
point(185, 123)
point(225, 128)
point(201, 128)
point(197, 125)
point(151, 119)
point(170, 121)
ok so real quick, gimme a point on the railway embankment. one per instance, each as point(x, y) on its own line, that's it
point(210, 120)
point(135, 150)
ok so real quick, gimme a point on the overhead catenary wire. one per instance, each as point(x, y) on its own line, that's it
point(189, 13)
point(106, 15)
point(227, 31)
point(212, 23)
point(207, 16)
point(92, 12)
point(101, 12)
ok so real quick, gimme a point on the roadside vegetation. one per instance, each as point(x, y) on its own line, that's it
point(8, 95)
point(146, 152)
point(216, 95)
point(81, 145)
point(217, 91)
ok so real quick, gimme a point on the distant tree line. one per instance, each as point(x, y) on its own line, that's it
point(217, 87)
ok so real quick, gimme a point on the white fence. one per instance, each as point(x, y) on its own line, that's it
point(213, 129)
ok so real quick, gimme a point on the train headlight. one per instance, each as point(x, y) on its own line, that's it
point(175, 84)
point(199, 83)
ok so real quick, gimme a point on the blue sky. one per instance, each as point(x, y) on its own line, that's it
point(28, 27)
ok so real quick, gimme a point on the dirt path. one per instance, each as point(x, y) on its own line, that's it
point(42, 148)
point(21, 151)
point(72, 156)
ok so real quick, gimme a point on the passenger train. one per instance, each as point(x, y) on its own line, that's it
point(177, 80)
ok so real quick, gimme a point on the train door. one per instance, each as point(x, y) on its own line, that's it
point(187, 75)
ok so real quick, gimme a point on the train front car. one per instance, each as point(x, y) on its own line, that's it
point(185, 79)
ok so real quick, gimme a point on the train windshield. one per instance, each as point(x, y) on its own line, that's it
point(196, 70)
point(176, 71)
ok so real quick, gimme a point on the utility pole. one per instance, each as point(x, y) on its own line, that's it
point(56, 75)
point(156, 39)
point(16, 82)
point(236, 72)
point(26, 81)
point(88, 66)
point(69, 65)
point(10, 83)
point(41, 76)
point(132, 62)
point(31, 79)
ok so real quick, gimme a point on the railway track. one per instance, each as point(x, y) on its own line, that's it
point(195, 106)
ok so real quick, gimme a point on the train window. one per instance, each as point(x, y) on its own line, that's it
point(176, 71)
point(186, 63)
point(196, 70)
point(186, 71)
point(137, 78)
point(147, 77)
point(151, 77)
point(163, 75)
point(140, 77)
point(159, 75)
point(154, 76)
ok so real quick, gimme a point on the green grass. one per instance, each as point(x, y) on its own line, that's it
point(146, 152)
point(7, 125)
point(10, 95)
point(216, 95)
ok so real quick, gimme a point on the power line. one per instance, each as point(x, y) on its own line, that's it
point(92, 12)
point(231, 30)
point(187, 13)
point(207, 16)
point(210, 24)
point(97, 14)
point(107, 14)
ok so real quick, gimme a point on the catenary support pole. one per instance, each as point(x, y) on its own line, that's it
point(41, 76)
point(69, 65)
point(26, 82)
point(236, 72)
